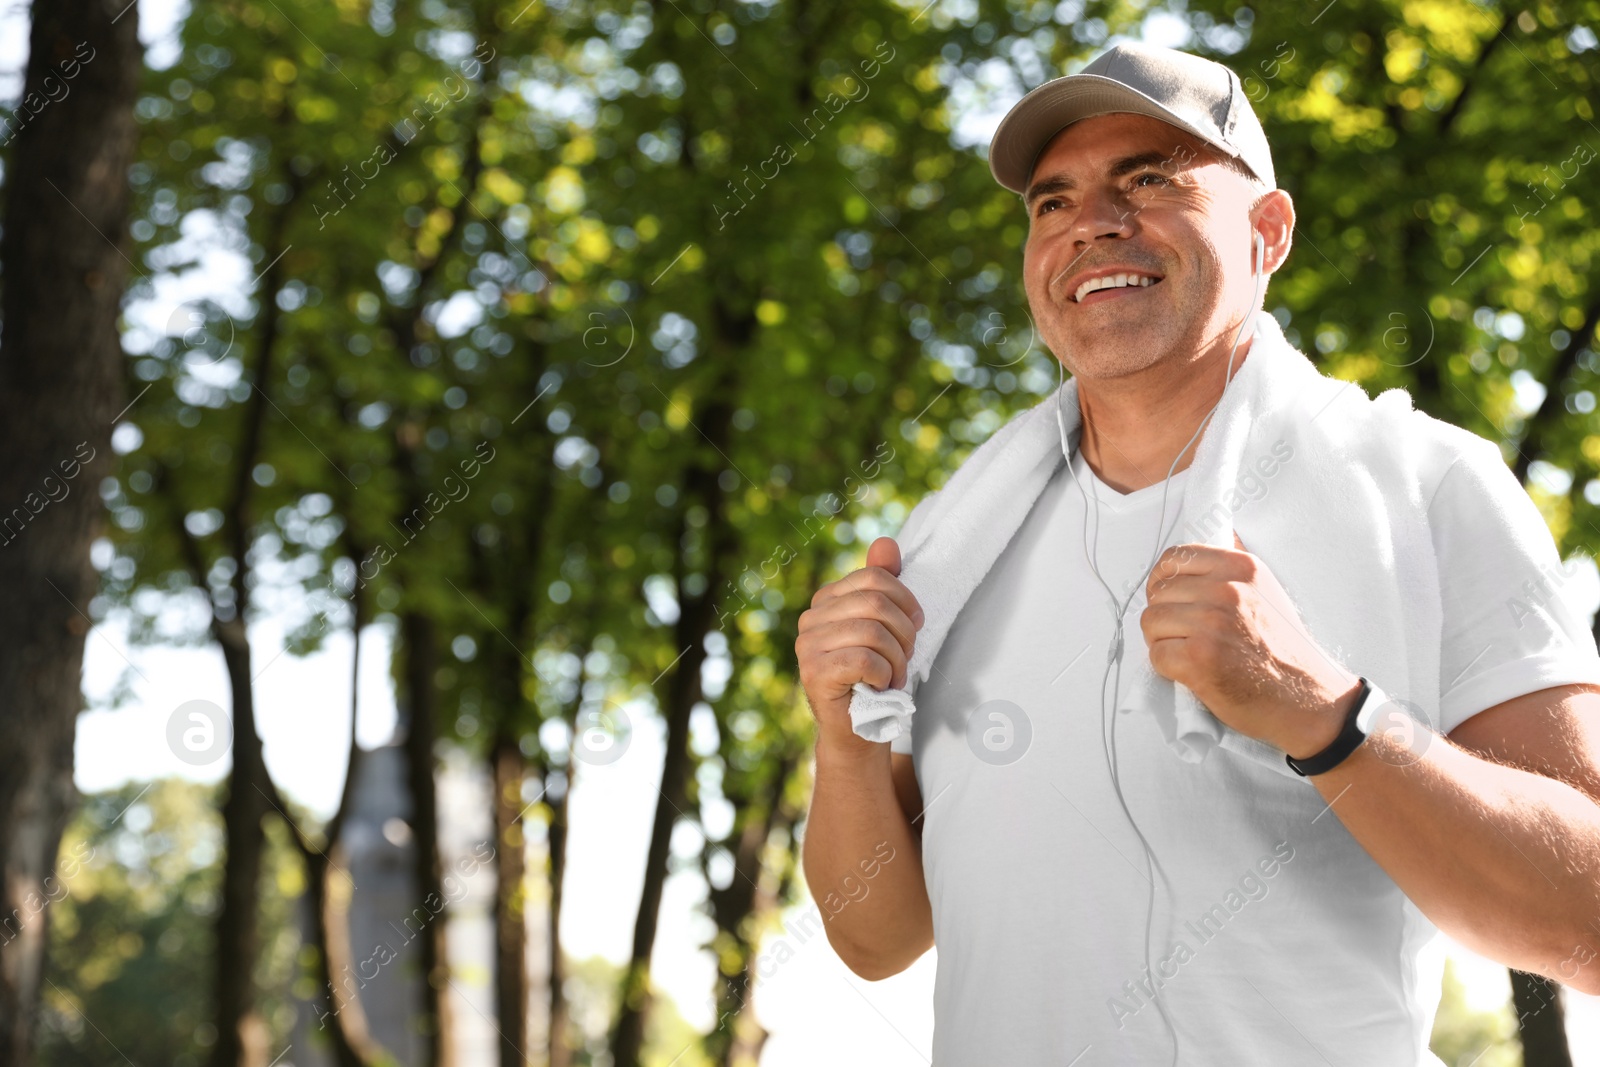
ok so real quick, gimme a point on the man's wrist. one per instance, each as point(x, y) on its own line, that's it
point(1323, 725)
point(842, 745)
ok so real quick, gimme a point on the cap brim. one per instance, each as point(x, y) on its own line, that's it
point(1055, 105)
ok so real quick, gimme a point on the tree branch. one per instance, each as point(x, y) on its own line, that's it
point(1470, 81)
point(1549, 410)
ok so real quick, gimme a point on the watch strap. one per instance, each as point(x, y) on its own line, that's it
point(1350, 737)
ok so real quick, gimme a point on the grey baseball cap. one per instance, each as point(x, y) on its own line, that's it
point(1190, 92)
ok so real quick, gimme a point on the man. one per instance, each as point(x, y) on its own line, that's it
point(1120, 906)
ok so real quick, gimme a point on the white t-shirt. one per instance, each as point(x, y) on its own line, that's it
point(1274, 939)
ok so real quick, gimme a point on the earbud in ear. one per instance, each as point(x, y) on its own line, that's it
point(1261, 252)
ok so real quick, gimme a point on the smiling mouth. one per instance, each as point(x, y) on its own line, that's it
point(1112, 286)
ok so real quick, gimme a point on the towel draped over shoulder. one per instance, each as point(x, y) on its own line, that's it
point(1328, 487)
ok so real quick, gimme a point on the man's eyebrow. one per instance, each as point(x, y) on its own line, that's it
point(1060, 183)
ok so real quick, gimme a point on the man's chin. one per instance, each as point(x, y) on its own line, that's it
point(1112, 353)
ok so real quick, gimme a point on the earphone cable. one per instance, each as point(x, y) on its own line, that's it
point(1108, 737)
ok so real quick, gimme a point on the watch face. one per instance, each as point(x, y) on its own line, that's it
point(1376, 700)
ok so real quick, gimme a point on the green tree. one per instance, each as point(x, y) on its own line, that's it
point(131, 930)
point(1463, 1036)
point(585, 341)
point(66, 144)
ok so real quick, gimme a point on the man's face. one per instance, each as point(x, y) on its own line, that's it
point(1131, 194)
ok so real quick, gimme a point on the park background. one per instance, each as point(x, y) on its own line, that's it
point(429, 419)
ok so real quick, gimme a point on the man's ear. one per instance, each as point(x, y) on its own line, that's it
point(1273, 218)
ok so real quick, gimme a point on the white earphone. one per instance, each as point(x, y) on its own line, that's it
point(1114, 653)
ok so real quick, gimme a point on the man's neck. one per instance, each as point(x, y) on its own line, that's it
point(1134, 427)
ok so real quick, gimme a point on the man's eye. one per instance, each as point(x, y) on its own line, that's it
point(1046, 205)
point(1139, 181)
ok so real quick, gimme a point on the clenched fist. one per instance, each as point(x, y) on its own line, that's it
point(1219, 622)
point(861, 628)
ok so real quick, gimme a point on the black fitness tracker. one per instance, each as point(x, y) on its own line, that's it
point(1340, 747)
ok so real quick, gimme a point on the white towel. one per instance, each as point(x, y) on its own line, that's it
point(1342, 523)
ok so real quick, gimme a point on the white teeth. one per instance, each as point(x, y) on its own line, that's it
point(1113, 281)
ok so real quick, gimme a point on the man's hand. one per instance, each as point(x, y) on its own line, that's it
point(859, 629)
point(1218, 622)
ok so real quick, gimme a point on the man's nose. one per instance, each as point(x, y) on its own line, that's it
point(1103, 212)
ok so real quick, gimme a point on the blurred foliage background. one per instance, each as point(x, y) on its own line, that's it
point(583, 341)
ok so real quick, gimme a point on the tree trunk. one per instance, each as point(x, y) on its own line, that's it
point(683, 690)
point(1541, 1022)
point(1544, 419)
point(329, 889)
point(241, 1031)
point(341, 1016)
point(510, 913)
point(507, 575)
point(695, 619)
point(60, 389)
point(419, 709)
point(560, 1052)
point(752, 894)
point(417, 633)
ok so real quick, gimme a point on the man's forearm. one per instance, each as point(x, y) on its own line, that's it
point(1501, 859)
point(863, 863)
